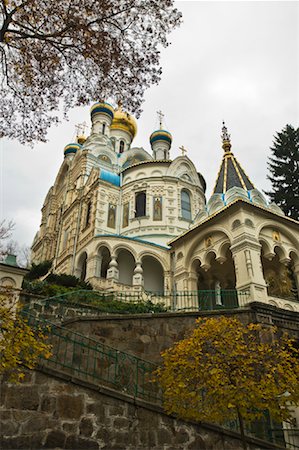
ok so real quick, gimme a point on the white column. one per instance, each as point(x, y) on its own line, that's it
point(249, 272)
point(138, 275)
point(113, 272)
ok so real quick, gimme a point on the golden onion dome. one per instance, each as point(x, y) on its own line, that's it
point(124, 121)
point(81, 139)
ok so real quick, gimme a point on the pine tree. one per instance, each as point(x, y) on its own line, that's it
point(284, 171)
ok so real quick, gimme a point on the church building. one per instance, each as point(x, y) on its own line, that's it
point(130, 221)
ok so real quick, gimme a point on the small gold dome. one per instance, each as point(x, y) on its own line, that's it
point(81, 139)
point(124, 121)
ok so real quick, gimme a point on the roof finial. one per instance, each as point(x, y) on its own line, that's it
point(226, 144)
point(160, 115)
point(119, 104)
point(80, 132)
point(183, 150)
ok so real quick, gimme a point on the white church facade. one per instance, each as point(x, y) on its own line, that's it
point(127, 220)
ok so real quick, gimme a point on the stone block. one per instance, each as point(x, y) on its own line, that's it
point(8, 427)
point(70, 407)
point(20, 416)
point(98, 409)
point(116, 410)
point(5, 414)
point(121, 438)
point(104, 435)
point(35, 424)
point(181, 437)
point(70, 427)
point(48, 404)
point(22, 397)
point(55, 439)
point(164, 436)
point(147, 419)
point(121, 422)
point(78, 443)
point(86, 427)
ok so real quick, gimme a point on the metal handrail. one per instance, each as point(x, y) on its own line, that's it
point(93, 361)
point(199, 300)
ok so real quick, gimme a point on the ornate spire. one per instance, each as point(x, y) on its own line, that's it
point(230, 174)
point(226, 144)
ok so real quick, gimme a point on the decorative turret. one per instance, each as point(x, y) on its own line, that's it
point(102, 115)
point(232, 182)
point(122, 130)
point(160, 141)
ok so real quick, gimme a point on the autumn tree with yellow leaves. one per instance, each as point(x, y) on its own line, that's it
point(63, 53)
point(20, 344)
point(226, 370)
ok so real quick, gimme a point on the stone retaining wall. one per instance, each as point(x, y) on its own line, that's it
point(51, 411)
point(147, 335)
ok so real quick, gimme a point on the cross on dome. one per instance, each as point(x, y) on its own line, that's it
point(80, 128)
point(183, 149)
point(160, 115)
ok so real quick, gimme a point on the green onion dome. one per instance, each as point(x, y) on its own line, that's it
point(102, 108)
point(71, 148)
point(160, 135)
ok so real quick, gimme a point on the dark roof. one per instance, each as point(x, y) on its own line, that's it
point(231, 174)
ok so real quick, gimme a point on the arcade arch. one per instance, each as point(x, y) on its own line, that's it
point(153, 274)
point(105, 258)
point(279, 272)
point(81, 266)
point(215, 280)
point(126, 266)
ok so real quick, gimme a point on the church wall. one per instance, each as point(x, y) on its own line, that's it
point(162, 191)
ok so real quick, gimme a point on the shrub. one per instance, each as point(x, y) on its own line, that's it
point(38, 270)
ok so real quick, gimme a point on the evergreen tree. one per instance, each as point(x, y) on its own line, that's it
point(284, 171)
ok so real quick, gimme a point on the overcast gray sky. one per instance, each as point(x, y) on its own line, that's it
point(237, 61)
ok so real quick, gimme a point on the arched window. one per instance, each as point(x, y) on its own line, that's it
point(185, 204)
point(87, 216)
point(103, 128)
point(121, 146)
point(140, 204)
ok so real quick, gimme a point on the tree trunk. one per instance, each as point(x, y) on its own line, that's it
point(241, 423)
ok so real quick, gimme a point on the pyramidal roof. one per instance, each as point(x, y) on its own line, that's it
point(230, 174)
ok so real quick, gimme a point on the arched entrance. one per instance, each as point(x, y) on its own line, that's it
point(216, 282)
point(126, 266)
point(153, 274)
